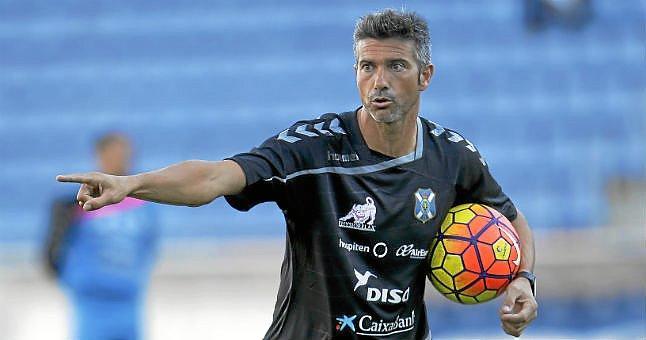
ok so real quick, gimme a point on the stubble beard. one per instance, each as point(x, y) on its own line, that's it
point(393, 114)
point(388, 118)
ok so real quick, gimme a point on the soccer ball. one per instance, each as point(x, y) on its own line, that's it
point(475, 254)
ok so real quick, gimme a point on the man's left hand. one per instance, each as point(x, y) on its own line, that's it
point(519, 308)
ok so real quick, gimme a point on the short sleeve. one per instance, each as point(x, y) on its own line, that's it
point(475, 184)
point(265, 169)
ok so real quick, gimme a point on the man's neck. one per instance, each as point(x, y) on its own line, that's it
point(392, 139)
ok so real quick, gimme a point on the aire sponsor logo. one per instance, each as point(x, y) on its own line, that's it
point(385, 295)
point(409, 250)
point(370, 326)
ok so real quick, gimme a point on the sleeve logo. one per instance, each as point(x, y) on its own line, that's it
point(456, 138)
point(298, 132)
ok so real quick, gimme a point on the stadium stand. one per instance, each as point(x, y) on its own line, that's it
point(556, 113)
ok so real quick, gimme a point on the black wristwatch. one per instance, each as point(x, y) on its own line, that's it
point(530, 277)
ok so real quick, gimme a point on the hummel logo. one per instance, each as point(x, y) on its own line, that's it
point(295, 134)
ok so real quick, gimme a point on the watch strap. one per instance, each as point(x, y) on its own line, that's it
point(530, 277)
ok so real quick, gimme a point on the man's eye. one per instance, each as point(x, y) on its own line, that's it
point(398, 67)
point(366, 67)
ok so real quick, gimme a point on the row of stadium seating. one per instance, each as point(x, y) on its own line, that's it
point(557, 113)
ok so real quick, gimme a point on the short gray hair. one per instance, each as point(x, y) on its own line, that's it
point(395, 24)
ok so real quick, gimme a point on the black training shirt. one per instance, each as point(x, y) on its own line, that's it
point(359, 223)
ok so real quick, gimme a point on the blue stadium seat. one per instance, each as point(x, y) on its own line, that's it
point(208, 79)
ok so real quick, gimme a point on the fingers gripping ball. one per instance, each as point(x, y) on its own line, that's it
point(475, 254)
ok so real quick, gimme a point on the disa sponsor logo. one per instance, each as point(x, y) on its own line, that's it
point(384, 295)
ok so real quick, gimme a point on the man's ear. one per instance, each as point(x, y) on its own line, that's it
point(425, 77)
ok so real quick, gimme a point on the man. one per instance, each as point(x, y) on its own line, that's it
point(103, 258)
point(346, 184)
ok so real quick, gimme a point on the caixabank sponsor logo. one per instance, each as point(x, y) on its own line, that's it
point(369, 325)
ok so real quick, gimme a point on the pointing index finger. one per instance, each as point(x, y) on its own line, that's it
point(75, 178)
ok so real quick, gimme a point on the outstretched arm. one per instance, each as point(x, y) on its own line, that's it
point(191, 183)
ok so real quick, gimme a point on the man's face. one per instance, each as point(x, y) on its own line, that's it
point(389, 79)
point(114, 158)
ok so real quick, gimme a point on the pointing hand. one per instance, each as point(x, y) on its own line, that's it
point(97, 189)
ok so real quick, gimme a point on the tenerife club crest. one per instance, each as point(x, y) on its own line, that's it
point(424, 205)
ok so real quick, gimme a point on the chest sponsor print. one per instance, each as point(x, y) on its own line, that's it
point(409, 250)
point(361, 216)
point(374, 294)
point(379, 249)
point(370, 325)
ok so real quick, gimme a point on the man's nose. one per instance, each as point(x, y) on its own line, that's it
point(380, 79)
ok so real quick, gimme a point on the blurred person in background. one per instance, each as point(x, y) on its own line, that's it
point(346, 183)
point(103, 258)
point(572, 14)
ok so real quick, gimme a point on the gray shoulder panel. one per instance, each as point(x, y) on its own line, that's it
point(360, 170)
